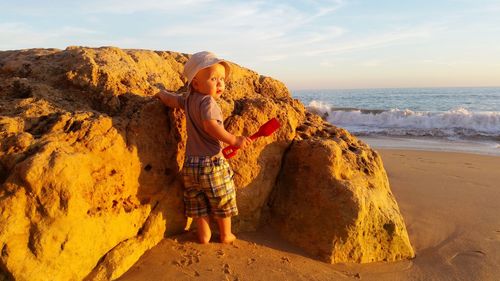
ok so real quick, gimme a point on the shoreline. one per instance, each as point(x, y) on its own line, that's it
point(391, 88)
point(430, 144)
point(447, 199)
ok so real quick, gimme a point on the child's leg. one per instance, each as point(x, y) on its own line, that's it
point(226, 236)
point(203, 228)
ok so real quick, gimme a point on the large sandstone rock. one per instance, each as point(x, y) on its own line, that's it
point(89, 157)
point(89, 160)
point(333, 200)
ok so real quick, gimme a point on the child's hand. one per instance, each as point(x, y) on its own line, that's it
point(242, 141)
point(168, 99)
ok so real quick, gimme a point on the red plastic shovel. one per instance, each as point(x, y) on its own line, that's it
point(265, 130)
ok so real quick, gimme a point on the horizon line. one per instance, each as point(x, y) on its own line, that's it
point(387, 88)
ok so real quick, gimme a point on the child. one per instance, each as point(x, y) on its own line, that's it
point(209, 187)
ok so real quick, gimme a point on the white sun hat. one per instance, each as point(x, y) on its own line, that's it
point(200, 61)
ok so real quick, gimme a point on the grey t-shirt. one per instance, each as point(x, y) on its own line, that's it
point(199, 107)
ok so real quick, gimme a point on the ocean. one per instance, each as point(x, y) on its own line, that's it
point(450, 119)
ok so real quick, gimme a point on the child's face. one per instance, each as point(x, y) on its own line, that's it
point(211, 80)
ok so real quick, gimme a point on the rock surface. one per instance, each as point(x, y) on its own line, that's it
point(89, 164)
point(333, 199)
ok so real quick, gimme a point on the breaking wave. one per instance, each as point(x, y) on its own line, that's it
point(458, 122)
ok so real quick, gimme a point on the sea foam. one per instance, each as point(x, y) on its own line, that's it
point(458, 122)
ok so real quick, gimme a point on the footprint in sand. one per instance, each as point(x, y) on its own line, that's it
point(495, 236)
point(226, 269)
point(285, 260)
point(467, 254)
point(189, 256)
point(220, 254)
point(469, 165)
point(228, 273)
point(350, 274)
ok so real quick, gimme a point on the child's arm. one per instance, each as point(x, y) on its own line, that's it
point(213, 128)
point(169, 99)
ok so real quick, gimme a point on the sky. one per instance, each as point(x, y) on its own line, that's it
point(309, 44)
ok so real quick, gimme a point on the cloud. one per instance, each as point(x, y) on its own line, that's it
point(442, 62)
point(74, 31)
point(371, 63)
point(312, 39)
point(326, 64)
point(266, 28)
point(272, 58)
point(16, 35)
point(383, 40)
point(260, 29)
point(125, 7)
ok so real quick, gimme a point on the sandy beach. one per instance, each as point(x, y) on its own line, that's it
point(449, 202)
point(383, 162)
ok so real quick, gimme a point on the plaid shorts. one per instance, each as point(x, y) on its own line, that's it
point(208, 187)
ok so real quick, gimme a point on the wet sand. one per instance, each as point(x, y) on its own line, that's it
point(451, 206)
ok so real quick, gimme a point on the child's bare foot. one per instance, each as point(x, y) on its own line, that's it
point(203, 239)
point(227, 239)
point(226, 235)
point(204, 232)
